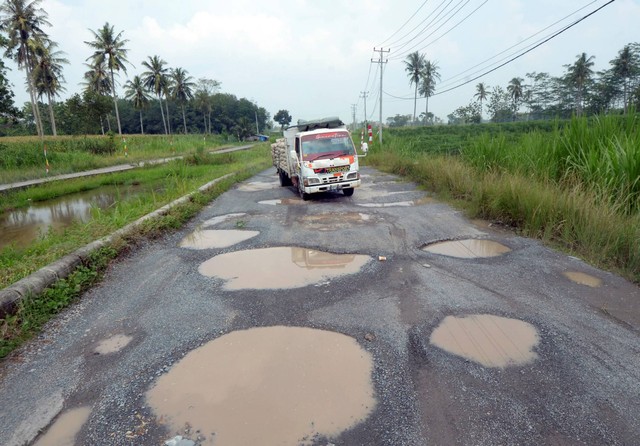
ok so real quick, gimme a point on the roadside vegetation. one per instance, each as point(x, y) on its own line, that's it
point(22, 158)
point(574, 184)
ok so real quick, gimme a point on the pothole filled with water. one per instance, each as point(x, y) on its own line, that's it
point(468, 249)
point(257, 186)
point(409, 203)
point(222, 218)
point(583, 279)
point(220, 238)
point(331, 222)
point(491, 341)
point(281, 267)
point(65, 428)
point(113, 344)
point(283, 202)
point(267, 386)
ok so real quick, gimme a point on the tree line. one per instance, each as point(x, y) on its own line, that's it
point(160, 99)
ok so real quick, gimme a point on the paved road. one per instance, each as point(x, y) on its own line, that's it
point(388, 344)
point(103, 170)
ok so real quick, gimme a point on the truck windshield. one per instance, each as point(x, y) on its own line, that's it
point(326, 145)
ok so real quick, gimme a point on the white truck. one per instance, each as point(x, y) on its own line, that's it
point(317, 156)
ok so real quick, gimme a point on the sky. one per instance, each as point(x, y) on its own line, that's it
point(313, 58)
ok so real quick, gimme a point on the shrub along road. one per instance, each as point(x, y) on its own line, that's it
point(386, 344)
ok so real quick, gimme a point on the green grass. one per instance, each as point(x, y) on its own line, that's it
point(541, 183)
point(22, 158)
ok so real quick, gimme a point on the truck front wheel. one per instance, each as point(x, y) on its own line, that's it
point(305, 196)
point(348, 192)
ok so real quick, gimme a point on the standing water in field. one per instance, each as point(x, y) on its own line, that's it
point(22, 226)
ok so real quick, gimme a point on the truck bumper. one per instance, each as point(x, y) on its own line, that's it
point(332, 186)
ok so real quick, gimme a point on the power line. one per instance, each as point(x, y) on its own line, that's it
point(451, 79)
point(431, 22)
point(405, 23)
point(527, 51)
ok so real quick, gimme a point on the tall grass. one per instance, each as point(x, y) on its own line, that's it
point(601, 154)
point(22, 158)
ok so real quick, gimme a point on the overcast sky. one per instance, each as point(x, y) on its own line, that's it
point(313, 57)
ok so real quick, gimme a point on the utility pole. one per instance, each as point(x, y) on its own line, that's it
point(257, 130)
point(364, 94)
point(353, 113)
point(382, 61)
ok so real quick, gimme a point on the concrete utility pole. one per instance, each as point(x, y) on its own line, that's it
point(381, 62)
point(364, 94)
point(353, 113)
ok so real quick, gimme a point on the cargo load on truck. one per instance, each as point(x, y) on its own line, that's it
point(317, 156)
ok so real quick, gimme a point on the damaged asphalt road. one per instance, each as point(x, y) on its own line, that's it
point(393, 340)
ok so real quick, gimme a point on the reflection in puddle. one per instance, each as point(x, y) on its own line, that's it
point(113, 344)
point(424, 200)
point(335, 221)
point(283, 201)
point(65, 428)
point(468, 249)
point(282, 267)
point(222, 218)
point(583, 279)
point(208, 238)
point(257, 186)
point(268, 386)
point(491, 341)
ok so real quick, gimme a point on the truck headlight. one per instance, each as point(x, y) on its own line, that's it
point(352, 176)
point(311, 181)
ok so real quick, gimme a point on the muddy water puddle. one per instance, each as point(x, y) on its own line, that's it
point(583, 279)
point(331, 222)
point(222, 218)
point(65, 428)
point(468, 249)
point(267, 386)
point(215, 238)
point(280, 267)
point(404, 204)
point(23, 226)
point(491, 341)
point(113, 344)
point(283, 202)
point(257, 186)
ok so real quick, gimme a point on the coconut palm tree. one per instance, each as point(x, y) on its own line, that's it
point(578, 75)
point(156, 80)
point(625, 66)
point(429, 78)
point(98, 81)
point(22, 21)
point(481, 94)
point(47, 75)
point(110, 47)
point(413, 65)
point(182, 90)
point(137, 94)
point(515, 91)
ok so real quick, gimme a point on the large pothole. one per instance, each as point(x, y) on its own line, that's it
point(468, 249)
point(268, 386)
point(280, 267)
point(491, 341)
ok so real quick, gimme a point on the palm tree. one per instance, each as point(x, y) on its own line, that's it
point(624, 67)
point(22, 21)
point(110, 46)
point(182, 90)
point(428, 85)
point(47, 75)
point(137, 94)
point(413, 65)
point(98, 81)
point(578, 75)
point(515, 91)
point(481, 94)
point(155, 80)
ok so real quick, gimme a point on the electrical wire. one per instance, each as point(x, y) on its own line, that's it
point(417, 35)
point(404, 24)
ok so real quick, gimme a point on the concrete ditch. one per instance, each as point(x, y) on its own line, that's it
point(37, 282)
